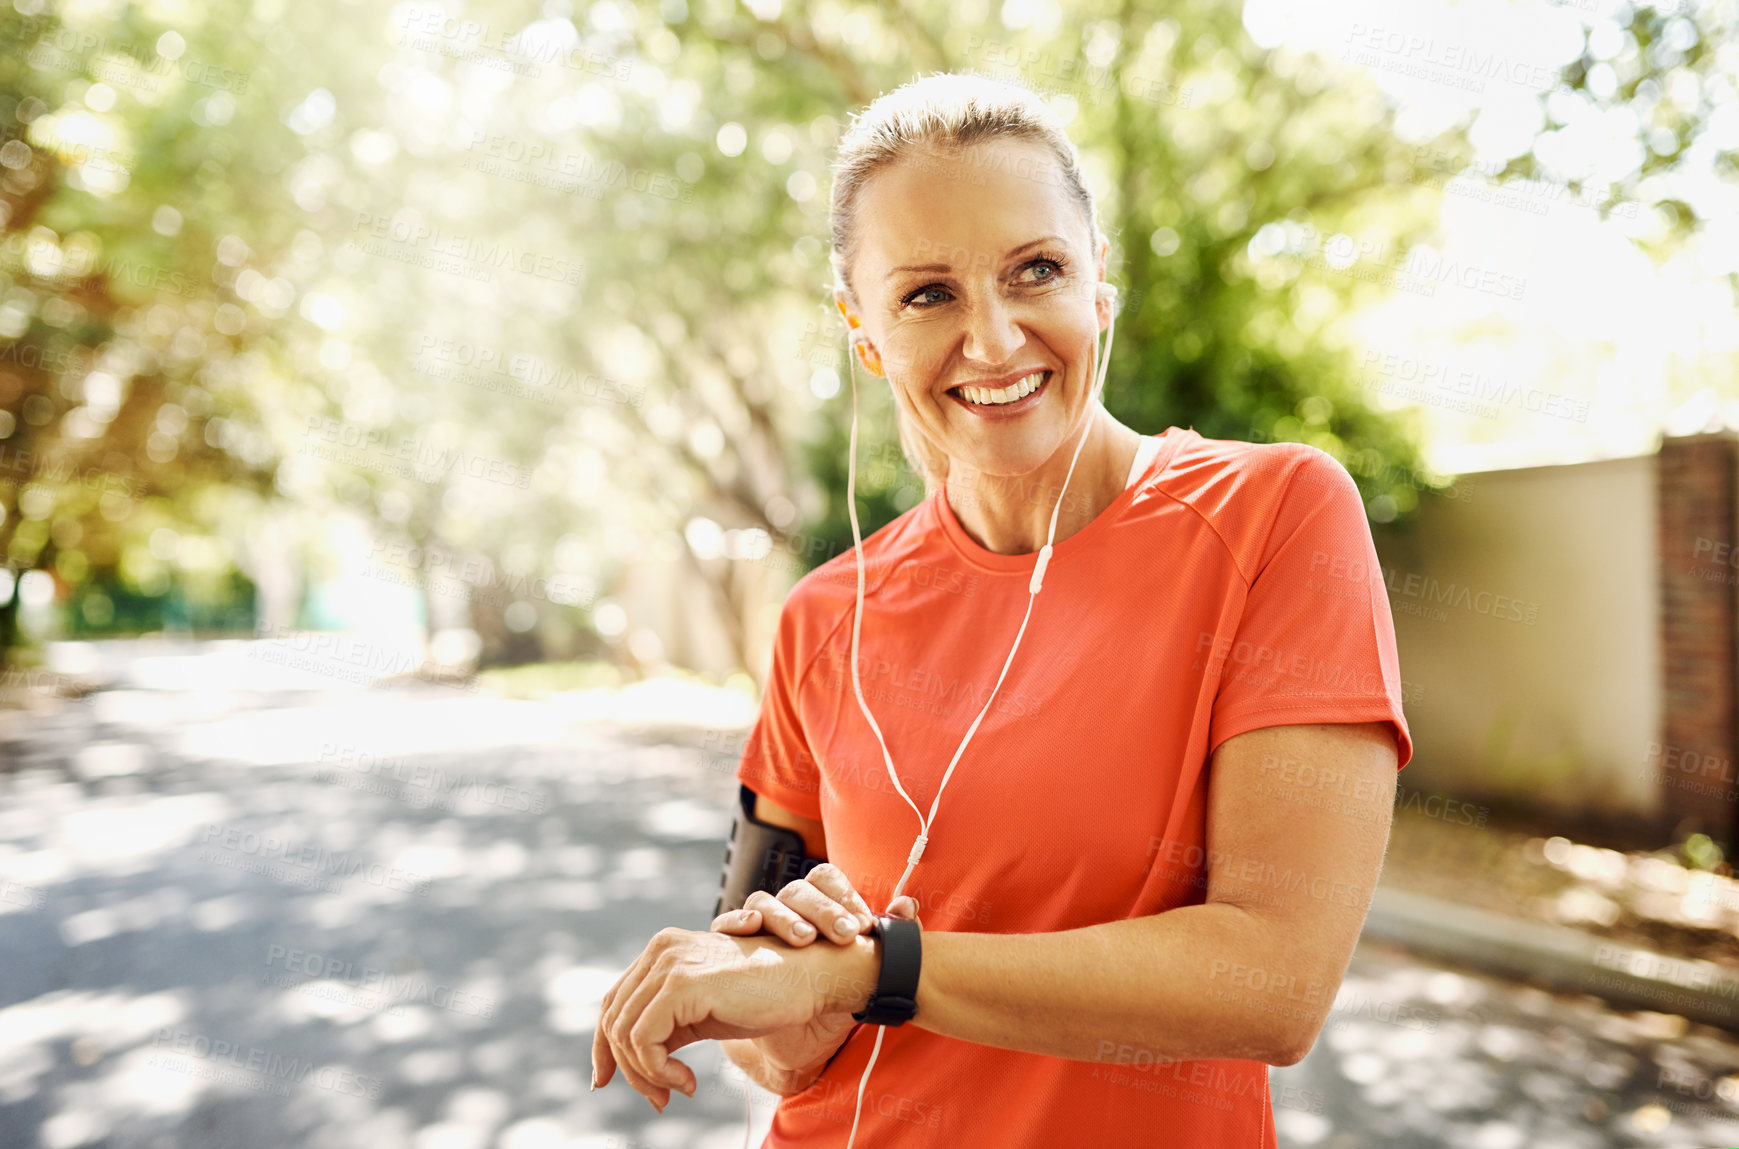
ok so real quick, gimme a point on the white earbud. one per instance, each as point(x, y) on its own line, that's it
point(1041, 562)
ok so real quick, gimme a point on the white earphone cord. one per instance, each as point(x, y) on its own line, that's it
point(1033, 587)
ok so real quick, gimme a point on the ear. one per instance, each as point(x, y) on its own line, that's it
point(860, 341)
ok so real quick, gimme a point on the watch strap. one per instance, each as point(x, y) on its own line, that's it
point(895, 1000)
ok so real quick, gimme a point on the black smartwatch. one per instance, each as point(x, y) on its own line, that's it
point(895, 1000)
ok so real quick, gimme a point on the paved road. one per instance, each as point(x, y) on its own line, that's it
point(382, 918)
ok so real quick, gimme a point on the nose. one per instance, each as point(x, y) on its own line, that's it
point(993, 333)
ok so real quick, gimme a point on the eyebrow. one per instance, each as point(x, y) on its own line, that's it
point(926, 268)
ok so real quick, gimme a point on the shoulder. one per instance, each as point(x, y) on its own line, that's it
point(1212, 470)
point(825, 596)
point(1248, 491)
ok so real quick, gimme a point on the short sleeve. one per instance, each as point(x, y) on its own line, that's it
point(1315, 642)
point(777, 762)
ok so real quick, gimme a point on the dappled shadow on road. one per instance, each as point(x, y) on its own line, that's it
point(374, 919)
point(1417, 1055)
point(384, 919)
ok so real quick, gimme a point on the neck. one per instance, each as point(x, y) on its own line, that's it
point(1011, 514)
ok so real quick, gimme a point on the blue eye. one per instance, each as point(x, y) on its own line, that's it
point(1055, 263)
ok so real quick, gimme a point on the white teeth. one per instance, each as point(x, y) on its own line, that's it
point(1020, 390)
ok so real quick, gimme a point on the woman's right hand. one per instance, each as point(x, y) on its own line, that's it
point(823, 905)
point(820, 905)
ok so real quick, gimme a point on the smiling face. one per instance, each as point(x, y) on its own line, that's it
point(974, 272)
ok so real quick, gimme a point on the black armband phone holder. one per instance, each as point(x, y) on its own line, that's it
point(760, 856)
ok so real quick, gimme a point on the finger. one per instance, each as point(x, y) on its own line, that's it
point(835, 921)
point(739, 923)
point(634, 1054)
point(609, 1014)
point(651, 1090)
point(616, 1038)
point(650, 1037)
point(832, 881)
point(780, 920)
point(603, 1061)
point(904, 906)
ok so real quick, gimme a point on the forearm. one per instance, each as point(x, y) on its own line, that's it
point(1173, 986)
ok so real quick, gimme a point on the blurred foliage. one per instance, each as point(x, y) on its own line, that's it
point(515, 311)
point(1195, 141)
point(1702, 852)
point(127, 338)
point(1660, 79)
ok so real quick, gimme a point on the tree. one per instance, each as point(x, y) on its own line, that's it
point(1222, 171)
point(122, 336)
point(1669, 75)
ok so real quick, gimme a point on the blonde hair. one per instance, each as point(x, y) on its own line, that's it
point(946, 112)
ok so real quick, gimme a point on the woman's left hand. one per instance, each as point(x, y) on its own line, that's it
point(689, 986)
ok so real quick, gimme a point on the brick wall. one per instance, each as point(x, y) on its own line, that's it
point(1698, 476)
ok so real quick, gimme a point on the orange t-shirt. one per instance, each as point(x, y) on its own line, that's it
point(1232, 587)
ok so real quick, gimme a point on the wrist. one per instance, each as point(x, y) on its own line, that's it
point(855, 971)
point(900, 952)
point(767, 1069)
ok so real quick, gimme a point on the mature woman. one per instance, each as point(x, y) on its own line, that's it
point(1156, 851)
